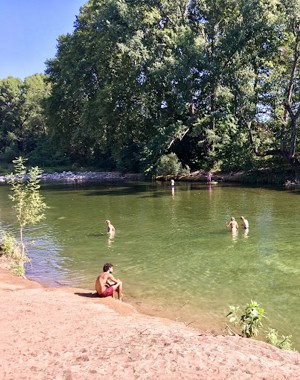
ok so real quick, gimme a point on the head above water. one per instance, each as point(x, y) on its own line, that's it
point(242, 217)
point(232, 218)
point(107, 267)
point(107, 221)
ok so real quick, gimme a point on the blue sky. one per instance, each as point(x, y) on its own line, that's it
point(28, 33)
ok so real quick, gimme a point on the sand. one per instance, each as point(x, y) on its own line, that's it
point(70, 334)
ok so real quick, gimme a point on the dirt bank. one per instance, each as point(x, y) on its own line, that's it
point(71, 334)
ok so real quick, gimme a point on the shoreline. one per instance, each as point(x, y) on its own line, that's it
point(152, 310)
point(81, 177)
point(199, 176)
point(68, 333)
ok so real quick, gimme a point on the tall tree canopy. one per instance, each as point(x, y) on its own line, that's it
point(213, 81)
point(22, 116)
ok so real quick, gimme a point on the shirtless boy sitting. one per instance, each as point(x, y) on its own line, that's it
point(106, 284)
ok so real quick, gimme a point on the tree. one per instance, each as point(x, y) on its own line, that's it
point(27, 200)
point(10, 124)
point(22, 116)
point(273, 128)
point(139, 80)
point(120, 98)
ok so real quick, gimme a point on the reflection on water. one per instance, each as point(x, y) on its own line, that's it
point(172, 249)
point(110, 239)
point(234, 235)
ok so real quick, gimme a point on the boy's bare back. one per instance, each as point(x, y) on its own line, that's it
point(101, 282)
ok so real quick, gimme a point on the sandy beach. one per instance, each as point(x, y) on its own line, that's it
point(59, 333)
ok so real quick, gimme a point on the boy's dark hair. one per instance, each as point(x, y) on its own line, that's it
point(107, 266)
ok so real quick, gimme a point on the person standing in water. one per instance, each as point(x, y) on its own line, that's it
point(234, 228)
point(110, 229)
point(245, 223)
point(172, 184)
point(209, 177)
point(232, 224)
point(106, 284)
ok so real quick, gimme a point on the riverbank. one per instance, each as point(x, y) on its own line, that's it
point(78, 177)
point(68, 333)
point(275, 176)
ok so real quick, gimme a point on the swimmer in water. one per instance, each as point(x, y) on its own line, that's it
point(110, 229)
point(245, 223)
point(232, 224)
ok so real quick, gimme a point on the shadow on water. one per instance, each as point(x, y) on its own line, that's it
point(153, 191)
point(99, 234)
point(145, 189)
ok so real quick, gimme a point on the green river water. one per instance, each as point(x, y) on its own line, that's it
point(172, 250)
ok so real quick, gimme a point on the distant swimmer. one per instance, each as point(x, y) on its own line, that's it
point(245, 223)
point(233, 224)
point(106, 284)
point(209, 177)
point(110, 228)
point(172, 182)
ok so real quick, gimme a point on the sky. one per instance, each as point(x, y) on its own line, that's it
point(28, 33)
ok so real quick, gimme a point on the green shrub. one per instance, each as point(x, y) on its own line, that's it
point(18, 270)
point(249, 320)
point(10, 246)
point(29, 206)
point(27, 201)
point(284, 342)
point(169, 164)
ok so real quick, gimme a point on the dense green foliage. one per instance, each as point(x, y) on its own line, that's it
point(170, 165)
point(214, 82)
point(22, 118)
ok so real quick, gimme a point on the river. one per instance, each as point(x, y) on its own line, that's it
point(172, 250)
